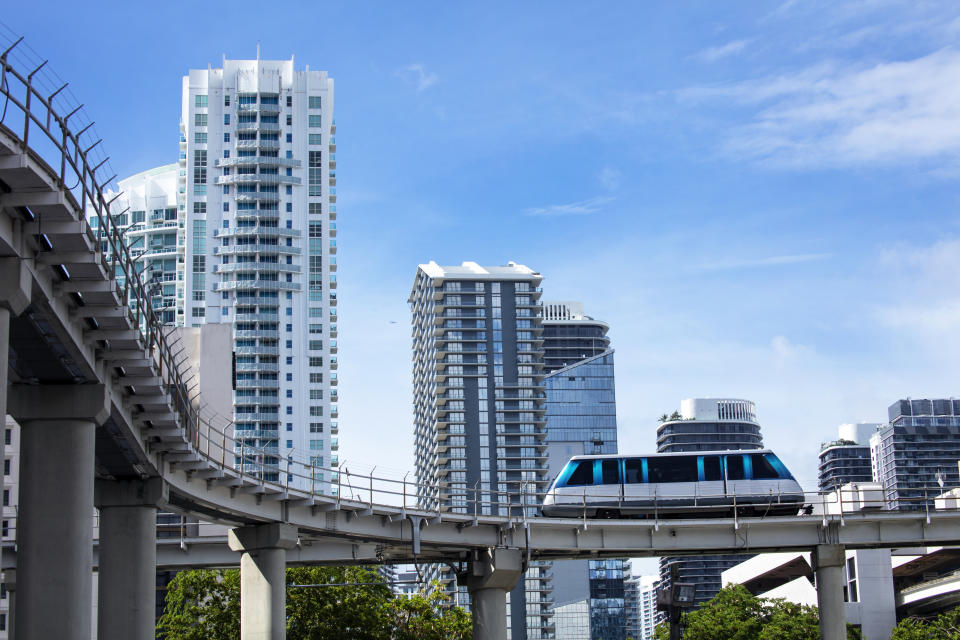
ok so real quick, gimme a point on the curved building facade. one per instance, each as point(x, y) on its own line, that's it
point(706, 424)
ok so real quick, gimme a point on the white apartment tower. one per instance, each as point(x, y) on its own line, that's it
point(257, 159)
point(242, 231)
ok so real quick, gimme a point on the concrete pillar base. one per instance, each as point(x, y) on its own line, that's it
point(127, 585)
point(55, 524)
point(263, 588)
point(491, 575)
point(828, 561)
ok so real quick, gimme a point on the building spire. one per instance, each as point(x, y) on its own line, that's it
point(258, 51)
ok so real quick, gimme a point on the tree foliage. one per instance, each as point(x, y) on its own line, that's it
point(736, 614)
point(205, 604)
point(946, 626)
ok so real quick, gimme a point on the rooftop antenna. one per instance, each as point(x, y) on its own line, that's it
point(258, 50)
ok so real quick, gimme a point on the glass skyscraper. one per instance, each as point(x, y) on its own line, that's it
point(582, 419)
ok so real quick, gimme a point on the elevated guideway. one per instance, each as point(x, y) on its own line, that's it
point(107, 419)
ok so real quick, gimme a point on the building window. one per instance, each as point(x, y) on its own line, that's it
point(317, 445)
point(289, 411)
point(315, 138)
point(289, 137)
point(316, 378)
point(315, 121)
point(200, 137)
point(314, 102)
point(315, 208)
point(199, 119)
point(201, 101)
point(226, 137)
point(289, 101)
point(200, 166)
point(316, 362)
point(316, 411)
point(226, 118)
point(199, 207)
point(226, 99)
point(316, 427)
point(289, 444)
point(315, 174)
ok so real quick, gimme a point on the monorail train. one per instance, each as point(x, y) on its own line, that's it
point(696, 483)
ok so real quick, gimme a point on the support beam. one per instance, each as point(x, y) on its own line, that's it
point(55, 525)
point(492, 573)
point(828, 561)
point(263, 588)
point(127, 584)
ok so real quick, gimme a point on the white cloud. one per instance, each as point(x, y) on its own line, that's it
point(609, 177)
point(418, 75)
point(583, 207)
point(832, 114)
point(753, 263)
point(925, 300)
point(712, 54)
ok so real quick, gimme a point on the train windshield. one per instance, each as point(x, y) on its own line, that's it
point(577, 473)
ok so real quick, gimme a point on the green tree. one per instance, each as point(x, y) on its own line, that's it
point(423, 617)
point(205, 604)
point(946, 626)
point(202, 605)
point(736, 614)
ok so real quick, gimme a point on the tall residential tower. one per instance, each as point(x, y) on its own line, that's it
point(242, 231)
point(478, 400)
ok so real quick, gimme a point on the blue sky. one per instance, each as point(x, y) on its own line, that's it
point(760, 198)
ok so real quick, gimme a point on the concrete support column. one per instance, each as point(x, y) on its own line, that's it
point(10, 580)
point(127, 581)
point(15, 288)
point(55, 523)
point(491, 575)
point(828, 562)
point(263, 585)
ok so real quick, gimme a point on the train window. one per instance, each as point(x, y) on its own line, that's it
point(634, 470)
point(582, 474)
point(762, 469)
point(711, 468)
point(610, 471)
point(672, 469)
point(735, 468)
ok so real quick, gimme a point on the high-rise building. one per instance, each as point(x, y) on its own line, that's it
point(258, 164)
point(570, 335)
point(649, 616)
point(846, 459)
point(479, 427)
point(706, 424)
point(242, 231)
point(582, 419)
point(917, 452)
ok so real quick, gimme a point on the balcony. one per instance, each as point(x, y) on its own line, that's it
point(256, 285)
point(259, 196)
point(257, 351)
point(258, 384)
point(257, 178)
point(269, 161)
point(258, 267)
point(257, 366)
point(248, 249)
point(258, 144)
point(270, 127)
